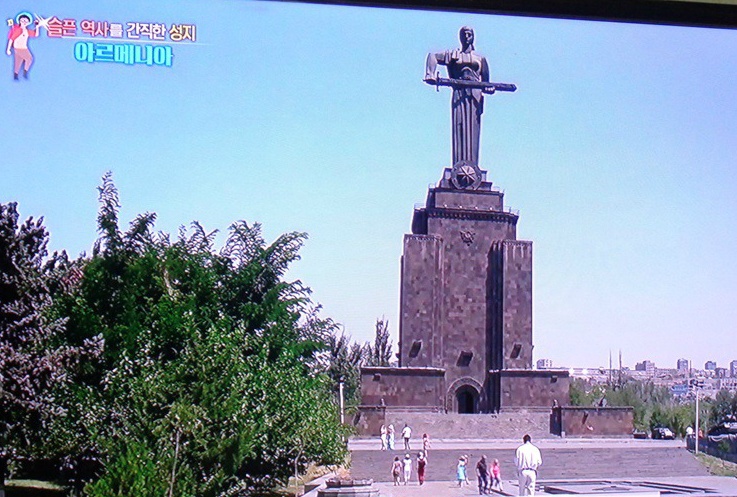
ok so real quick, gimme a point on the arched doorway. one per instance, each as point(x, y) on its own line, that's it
point(467, 400)
point(465, 396)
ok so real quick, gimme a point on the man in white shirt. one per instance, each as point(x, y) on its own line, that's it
point(528, 459)
point(406, 434)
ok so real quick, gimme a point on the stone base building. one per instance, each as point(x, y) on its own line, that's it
point(465, 333)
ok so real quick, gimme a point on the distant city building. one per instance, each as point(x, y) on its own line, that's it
point(647, 366)
point(682, 365)
point(733, 369)
point(727, 384)
point(599, 376)
point(710, 366)
point(721, 373)
point(544, 364)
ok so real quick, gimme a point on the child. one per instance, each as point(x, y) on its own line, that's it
point(407, 468)
point(396, 470)
point(425, 443)
point(461, 471)
point(496, 475)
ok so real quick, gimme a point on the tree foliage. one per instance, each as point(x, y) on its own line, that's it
point(35, 363)
point(724, 407)
point(379, 353)
point(344, 364)
point(209, 383)
point(653, 404)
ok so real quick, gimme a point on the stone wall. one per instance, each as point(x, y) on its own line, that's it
point(467, 239)
point(504, 425)
point(368, 420)
point(465, 308)
point(540, 388)
point(400, 387)
point(420, 301)
point(595, 421)
point(517, 304)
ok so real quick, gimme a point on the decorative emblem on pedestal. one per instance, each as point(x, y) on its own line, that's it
point(466, 175)
point(467, 237)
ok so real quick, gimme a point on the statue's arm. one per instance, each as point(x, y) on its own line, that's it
point(485, 73)
point(431, 65)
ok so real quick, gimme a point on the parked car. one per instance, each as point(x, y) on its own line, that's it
point(640, 434)
point(663, 433)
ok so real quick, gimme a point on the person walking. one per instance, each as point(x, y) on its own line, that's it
point(495, 473)
point(461, 471)
point(407, 468)
point(425, 443)
point(383, 437)
point(527, 459)
point(406, 434)
point(390, 436)
point(421, 463)
point(482, 474)
point(396, 470)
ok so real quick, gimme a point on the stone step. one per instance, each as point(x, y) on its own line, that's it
point(558, 463)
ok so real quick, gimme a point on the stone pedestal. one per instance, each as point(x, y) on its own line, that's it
point(466, 292)
point(348, 488)
point(465, 325)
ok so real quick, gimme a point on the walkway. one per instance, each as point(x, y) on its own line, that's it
point(601, 461)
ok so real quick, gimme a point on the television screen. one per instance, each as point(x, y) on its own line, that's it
point(179, 353)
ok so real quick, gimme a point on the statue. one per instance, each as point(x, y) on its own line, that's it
point(469, 77)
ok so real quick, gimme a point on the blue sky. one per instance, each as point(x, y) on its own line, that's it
point(618, 149)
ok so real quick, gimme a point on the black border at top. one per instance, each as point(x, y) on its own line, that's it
point(682, 13)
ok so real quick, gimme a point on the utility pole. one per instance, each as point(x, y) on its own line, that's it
point(696, 440)
point(342, 410)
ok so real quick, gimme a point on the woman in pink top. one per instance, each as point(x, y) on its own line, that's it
point(496, 475)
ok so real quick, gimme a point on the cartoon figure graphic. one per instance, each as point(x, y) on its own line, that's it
point(18, 42)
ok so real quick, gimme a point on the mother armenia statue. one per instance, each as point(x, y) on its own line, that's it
point(468, 75)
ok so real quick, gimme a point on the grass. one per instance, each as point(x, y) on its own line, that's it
point(716, 466)
point(33, 488)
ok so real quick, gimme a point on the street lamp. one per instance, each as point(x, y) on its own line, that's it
point(697, 385)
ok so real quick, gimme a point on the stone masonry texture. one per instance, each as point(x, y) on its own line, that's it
point(465, 326)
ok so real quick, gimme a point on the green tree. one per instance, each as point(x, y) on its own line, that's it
point(653, 405)
point(344, 364)
point(379, 353)
point(34, 363)
point(583, 393)
point(724, 407)
point(210, 381)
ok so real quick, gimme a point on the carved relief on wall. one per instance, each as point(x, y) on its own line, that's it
point(468, 236)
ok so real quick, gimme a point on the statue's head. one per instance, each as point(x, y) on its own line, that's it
point(466, 36)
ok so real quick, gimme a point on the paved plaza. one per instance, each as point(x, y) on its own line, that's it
point(569, 466)
point(718, 486)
